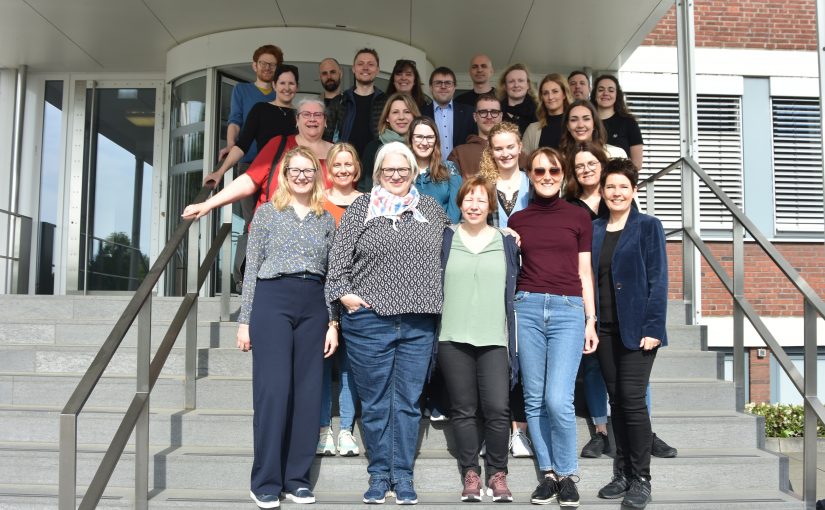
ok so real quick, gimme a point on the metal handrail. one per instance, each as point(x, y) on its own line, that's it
point(813, 305)
point(136, 417)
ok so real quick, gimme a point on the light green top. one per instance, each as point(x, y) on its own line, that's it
point(474, 284)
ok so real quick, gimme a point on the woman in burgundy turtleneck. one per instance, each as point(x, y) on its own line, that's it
point(556, 322)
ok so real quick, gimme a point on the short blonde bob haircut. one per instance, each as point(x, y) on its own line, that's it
point(283, 194)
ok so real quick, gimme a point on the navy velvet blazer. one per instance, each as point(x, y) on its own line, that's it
point(463, 123)
point(639, 271)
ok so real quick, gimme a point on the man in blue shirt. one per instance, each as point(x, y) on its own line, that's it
point(454, 120)
point(244, 96)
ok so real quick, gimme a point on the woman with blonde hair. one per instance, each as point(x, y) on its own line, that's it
point(344, 168)
point(555, 98)
point(500, 164)
point(517, 96)
point(393, 126)
point(283, 312)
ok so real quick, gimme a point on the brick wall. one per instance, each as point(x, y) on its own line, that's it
point(762, 24)
point(765, 286)
point(760, 377)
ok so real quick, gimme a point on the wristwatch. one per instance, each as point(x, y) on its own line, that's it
point(334, 324)
point(588, 317)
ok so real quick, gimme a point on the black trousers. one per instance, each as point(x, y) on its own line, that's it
point(287, 328)
point(473, 376)
point(626, 373)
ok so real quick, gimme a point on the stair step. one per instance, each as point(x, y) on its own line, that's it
point(216, 392)
point(53, 309)
point(233, 428)
point(231, 362)
point(228, 469)
point(19, 497)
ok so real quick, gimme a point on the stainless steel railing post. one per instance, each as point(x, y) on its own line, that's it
point(809, 441)
point(144, 348)
point(738, 314)
point(67, 463)
point(190, 396)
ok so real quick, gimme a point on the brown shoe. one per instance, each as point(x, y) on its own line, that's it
point(497, 487)
point(472, 487)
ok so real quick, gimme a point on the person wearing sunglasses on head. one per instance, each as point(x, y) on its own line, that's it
point(556, 319)
point(405, 78)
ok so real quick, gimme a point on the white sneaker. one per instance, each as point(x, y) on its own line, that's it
point(483, 451)
point(347, 447)
point(326, 443)
point(520, 445)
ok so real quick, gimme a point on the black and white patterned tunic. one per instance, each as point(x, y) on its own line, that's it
point(282, 243)
point(395, 271)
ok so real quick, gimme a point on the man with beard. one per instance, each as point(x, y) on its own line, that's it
point(356, 116)
point(245, 95)
point(329, 71)
point(467, 156)
point(481, 72)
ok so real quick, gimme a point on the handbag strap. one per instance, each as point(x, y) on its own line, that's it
point(274, 165)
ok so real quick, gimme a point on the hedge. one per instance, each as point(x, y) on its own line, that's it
point(783, 420)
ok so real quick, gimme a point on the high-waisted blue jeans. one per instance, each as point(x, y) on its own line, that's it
point(551, 340)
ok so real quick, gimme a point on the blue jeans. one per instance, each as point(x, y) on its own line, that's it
point(347, 395)
point(389, 357)
point(595, 391)
point(551, 340)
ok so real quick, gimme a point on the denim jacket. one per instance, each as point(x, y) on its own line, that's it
point(511, 254)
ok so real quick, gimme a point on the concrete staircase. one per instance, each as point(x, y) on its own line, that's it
point(202, 458)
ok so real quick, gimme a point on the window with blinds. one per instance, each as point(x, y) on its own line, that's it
point(720, 153)
point(797, 164)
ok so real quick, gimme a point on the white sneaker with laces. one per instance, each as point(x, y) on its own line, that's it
point(520, 445)
point(347, 447)
point(326, 443)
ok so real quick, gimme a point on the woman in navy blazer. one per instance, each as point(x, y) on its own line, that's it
point(630, 270)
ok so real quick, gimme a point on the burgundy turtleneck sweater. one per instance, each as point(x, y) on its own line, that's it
point(553, 233)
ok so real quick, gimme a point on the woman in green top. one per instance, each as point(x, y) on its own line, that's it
point(476, 351)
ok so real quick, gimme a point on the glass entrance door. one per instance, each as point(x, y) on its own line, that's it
point(112, 189)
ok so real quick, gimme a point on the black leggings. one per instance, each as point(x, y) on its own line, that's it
point(626, 373)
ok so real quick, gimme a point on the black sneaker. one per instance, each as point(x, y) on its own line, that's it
point(616, 488)
point(598, 445)
point(568, 494)
point(546, 492)
point(661, 449)
point(638, 495)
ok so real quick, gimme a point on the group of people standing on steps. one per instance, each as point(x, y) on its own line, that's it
point(488, 243)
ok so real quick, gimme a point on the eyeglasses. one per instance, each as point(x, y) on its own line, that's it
point(591, 165)
point(403, 171)
point(266, 65)
point(489, 113)
point(423, 138)
point(443, 83)
point(311, 115)
point(553, 170)
point(295, 171)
